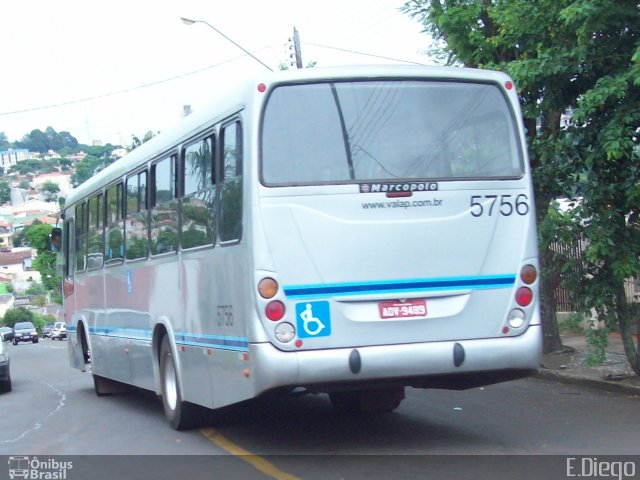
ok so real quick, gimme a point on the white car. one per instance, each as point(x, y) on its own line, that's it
point(59, 331)
point(5, 373)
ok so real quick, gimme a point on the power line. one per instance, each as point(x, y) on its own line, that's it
point(363, 53)
point(183, 75)
point(120, 92)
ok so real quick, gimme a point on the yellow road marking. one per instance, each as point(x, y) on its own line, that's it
point(256, 461)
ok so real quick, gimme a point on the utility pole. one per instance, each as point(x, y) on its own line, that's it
point(296, 45)
point(295, 55)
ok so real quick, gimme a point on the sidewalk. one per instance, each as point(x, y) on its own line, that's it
point(569, 366)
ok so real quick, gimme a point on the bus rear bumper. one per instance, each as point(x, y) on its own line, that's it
point(424, 365)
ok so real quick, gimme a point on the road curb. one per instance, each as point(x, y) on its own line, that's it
point(599, 383)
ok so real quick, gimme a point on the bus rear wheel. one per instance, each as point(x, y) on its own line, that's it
point(181, 414)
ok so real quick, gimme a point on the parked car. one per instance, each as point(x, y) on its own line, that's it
point(59, 331)
point(5, 371)
point(6, 330)
point(46, 330)
point(25, 332)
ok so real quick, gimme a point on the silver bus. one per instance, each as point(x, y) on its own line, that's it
point(350, 231)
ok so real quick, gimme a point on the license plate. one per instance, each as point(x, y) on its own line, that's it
point(410, 308)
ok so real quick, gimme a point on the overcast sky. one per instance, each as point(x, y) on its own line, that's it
point(139, 64)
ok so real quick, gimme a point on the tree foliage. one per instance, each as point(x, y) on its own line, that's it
point(45, 263)
point(562, 54)
point(5, 192)
point(34, 166)
point(603, 143)
point(42, 142)
point(16, 315)
point(50, 190)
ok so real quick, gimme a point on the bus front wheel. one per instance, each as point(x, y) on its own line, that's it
point(181, 414)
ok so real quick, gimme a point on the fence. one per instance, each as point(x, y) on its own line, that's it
point(570, 254)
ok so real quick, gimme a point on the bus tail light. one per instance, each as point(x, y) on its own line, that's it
point(285, 332)
point(275, 310)
point(524, 296)
point(516, 318)
point(267, 288)
point(528, 274)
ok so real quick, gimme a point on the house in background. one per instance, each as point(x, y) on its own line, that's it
point(34, 207)
point(6, 231)
point(63, 180)
point(12, 156)
point(12, 270)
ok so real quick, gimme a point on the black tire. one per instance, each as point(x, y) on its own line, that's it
point(180, 414)
point(5, 386)
point(35, 340)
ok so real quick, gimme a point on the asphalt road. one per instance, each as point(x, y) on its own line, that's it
point(53, 411)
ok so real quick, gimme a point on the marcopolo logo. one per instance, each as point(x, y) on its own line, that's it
point(38, 469)
point(398, 187)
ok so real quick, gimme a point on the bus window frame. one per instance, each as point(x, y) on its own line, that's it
point(173, 158)
point(211, 135)
point(235, 120)
point(80, 223)
point(119, 187)
point(98, 196)
point(136, 174)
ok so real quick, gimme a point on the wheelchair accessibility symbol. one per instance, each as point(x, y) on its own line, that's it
point(313, 319)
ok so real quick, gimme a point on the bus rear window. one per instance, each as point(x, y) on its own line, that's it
point(388, 130)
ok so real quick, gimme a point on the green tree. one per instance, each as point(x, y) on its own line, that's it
point(86, 169)
point(33, 166)
point(39, 141)
point(5, 192)
point(45, 263)
point(50, 191)
point(136, 142)
point(603, 146)
point(17, 314)
point(148, 136)
point(557, 52)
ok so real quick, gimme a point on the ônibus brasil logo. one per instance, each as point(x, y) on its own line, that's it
point(38, 469)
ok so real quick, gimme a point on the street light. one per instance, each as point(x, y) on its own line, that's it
point(188, 21)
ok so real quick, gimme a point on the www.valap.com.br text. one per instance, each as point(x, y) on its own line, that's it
point(403, 204)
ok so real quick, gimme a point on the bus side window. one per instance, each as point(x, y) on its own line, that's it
point(136, 217)
point(95, 232)
point(198, 214)
point(231, 187)
point(68, 257)
point(80, 249)
point(164, 207)
point(114, 248)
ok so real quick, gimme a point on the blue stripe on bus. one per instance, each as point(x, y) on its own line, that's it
point(404, 286)
point(121, 332)
point(239, 344)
